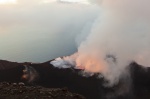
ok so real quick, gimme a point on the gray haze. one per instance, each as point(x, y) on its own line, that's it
point(120, 35)
point(37, 32)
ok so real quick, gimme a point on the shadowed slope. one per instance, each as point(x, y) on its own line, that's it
point(48, 76)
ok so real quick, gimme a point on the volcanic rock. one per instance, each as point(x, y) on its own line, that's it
point(134, 86)
point(20, 91)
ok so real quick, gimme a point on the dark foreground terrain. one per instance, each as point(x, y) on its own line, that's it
point(21, 91)
point(134, 86)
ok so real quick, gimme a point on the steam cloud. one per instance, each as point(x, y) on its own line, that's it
point(30, 74)
point(120, 35)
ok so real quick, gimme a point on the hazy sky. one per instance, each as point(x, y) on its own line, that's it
point(32, 30)
point(37, 31)
point(41, 1)
point(119, 36)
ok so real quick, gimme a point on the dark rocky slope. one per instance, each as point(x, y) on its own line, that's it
point(20, 91)
point(136, 86)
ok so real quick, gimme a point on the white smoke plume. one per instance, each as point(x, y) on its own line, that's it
point(30, 74)
point(120, 35)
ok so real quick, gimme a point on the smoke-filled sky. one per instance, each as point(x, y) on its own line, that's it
point(37, 31)
point(119, 35)
point(104, 35)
